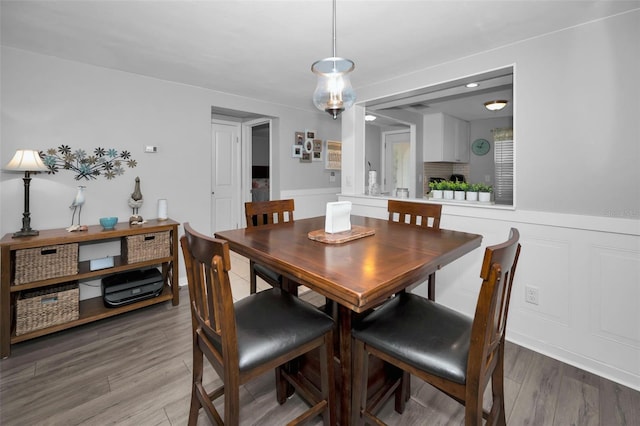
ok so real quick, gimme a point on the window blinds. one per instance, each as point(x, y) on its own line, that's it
point(503, 157)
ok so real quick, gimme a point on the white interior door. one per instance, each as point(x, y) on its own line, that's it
point(225, 176)
point(397, 160)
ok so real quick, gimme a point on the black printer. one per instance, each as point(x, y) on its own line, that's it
point(132, 286)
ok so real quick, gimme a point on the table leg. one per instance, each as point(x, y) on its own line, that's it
point(345, 316)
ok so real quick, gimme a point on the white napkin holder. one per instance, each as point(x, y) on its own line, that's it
point(338, 217)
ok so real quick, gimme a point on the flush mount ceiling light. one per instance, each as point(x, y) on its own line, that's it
point(333, 93)
point(495, 105)
point(369, 117)
point(471, 85)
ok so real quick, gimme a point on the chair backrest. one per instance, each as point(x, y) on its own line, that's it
point(490, 320)
point(207, 262)
point(260, 213)
point(407, 210)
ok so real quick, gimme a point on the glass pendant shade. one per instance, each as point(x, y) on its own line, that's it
point(333, 92)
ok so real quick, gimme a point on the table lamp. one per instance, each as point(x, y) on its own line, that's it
point(26, 160)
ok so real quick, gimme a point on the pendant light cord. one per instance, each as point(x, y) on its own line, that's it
point(334, 28)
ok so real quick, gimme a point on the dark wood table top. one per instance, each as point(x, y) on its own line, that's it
point(357, 274)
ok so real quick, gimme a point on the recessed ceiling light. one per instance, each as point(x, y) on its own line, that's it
point(369, 117)
point(472, 85)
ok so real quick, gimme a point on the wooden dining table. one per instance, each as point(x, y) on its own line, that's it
point(358, 274)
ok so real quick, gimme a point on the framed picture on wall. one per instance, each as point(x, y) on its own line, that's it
point(296, 151)
point(316, 155)
point(308, 146)
point(299, 138)
point(306, 157)
point(334, 155)
point(317, 145)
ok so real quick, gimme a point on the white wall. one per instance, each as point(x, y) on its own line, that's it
point(47, 102)
point(373, 149)
point(577, 183)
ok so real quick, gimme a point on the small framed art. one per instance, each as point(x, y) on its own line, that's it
point(306, 157)
point(334, 155)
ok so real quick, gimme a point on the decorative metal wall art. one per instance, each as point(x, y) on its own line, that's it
point(103, 162)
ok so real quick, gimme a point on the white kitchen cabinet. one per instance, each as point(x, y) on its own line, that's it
point(446, 138)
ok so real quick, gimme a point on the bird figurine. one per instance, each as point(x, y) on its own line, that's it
point(76, 205)
point(135, 202)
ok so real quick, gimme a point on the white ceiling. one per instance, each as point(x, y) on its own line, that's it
point(264, 49)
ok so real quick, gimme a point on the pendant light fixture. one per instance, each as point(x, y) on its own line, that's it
point(333, 93)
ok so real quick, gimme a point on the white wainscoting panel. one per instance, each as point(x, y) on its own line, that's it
point(615, 289)
point(310, 202)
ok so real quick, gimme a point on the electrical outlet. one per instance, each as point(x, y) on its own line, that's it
point(531, 295)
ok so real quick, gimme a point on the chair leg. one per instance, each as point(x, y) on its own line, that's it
point(473, 413)
point(327, 379)
point(252, 277)
point(403, 392)
point(431, 289)
point(359, 382)
point(197, 379)
point(281, 386)
point(497, 391)
point(231, 401)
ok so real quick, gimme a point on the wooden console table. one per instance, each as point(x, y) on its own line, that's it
point(90, 309)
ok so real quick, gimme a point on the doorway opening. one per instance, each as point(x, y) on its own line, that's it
point(260, 162)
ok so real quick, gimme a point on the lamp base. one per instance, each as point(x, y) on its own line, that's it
point(25, 233)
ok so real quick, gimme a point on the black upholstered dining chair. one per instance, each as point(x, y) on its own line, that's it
point(240, 344)
point(458, 355)
point(260, 213)
point(424, 215)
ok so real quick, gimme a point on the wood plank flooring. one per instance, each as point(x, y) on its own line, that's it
point(135, 369)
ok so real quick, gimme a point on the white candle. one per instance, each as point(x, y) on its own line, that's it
point(162, 209)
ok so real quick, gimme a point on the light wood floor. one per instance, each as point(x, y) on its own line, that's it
point(135, 369)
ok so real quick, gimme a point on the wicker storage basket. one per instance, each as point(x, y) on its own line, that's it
point(139, 248)
point(41, 263)
point(36, 309)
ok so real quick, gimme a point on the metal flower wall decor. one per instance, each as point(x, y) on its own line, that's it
point(103, 162)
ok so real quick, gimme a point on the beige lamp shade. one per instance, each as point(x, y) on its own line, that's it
point(26, 160)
